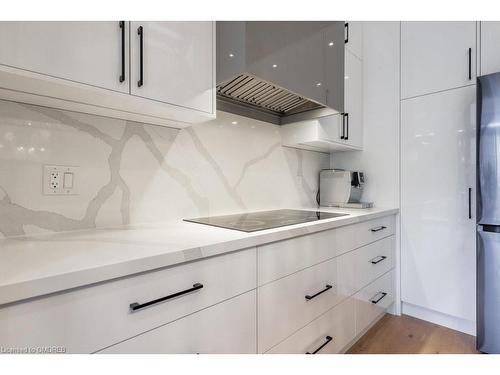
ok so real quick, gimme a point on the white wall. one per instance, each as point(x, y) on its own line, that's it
point(380, 156)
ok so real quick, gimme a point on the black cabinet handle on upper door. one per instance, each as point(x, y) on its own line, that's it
point(140, 32)
point(327, 340)
point(342, 133)
point(327, 287)
point(470, 64)
point(136, 306)
point(122, 27)
point(346, 26)
point(470, 203)
point(346, 116)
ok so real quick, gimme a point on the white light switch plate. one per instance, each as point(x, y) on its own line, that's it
point(59, 180)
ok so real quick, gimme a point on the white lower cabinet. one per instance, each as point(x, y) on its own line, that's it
point(330, 333)
point(329, 288)
point(358, 268)
point(373, 300)
point(226, 328)
point(291, 302)
point(92, 318)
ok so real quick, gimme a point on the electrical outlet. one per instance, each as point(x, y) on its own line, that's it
point(59, 180)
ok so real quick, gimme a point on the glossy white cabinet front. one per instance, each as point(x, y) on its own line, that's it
point(490, 51)
point(435, 56)
point(353, 96)
point(83, 52)
point(437, 170)
point(178, 63)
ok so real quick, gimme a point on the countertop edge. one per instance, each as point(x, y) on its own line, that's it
point(30, 289)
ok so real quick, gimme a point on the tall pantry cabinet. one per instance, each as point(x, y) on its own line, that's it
point(438, 89)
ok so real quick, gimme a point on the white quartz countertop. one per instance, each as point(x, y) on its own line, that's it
point(38, 265)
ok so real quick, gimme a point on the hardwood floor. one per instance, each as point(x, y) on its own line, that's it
point(407, 335)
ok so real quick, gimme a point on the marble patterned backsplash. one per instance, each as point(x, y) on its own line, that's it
point(131, 173)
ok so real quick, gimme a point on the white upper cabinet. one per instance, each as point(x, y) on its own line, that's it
point(177, 63)
point(85, 52)
point(353, 100)
point(339, 132)
point(354, 38)
point(437, 56)
point(95, 67)
point(490, 51)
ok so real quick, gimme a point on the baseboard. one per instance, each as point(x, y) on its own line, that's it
point(458, 324)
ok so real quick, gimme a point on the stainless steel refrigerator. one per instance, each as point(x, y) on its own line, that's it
point(488, 213)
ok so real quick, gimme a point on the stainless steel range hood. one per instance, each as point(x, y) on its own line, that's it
point(280, 72)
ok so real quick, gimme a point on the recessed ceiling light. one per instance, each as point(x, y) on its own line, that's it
point(234, 122)
point(318, 84)
point(330, 44)
point(275, 65)
point(231, 55)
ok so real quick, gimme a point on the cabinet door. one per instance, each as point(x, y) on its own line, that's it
point(84, 52)
point(353, 93)
point(354, 38)
point(435, 56)
point(490, 53)
point(228, 327)
point(437, 170)
point(177, 63)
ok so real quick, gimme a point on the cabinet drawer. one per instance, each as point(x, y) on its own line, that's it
point(337, 324)
point(228, 327)
point(92, 318)
point(360, 267)
point(373, 300)
point(290, 303)
point(283, 258)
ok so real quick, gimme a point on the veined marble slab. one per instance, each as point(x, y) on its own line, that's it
point(32, 266)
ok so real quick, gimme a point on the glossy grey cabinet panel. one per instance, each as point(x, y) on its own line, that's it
point(297, 56)
point(334, 69)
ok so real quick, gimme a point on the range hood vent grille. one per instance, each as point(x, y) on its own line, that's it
point(256, 92)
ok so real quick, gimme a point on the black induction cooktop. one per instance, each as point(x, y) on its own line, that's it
point(254, 221)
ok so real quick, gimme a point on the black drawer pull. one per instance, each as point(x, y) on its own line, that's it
point(375, 301)
point(378, 228)
point(327, 287)
point(136, 306)
point(327, 340)
point(378, 259)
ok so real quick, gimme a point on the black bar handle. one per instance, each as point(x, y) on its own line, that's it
point(375, 301)
point(346, 115)
point(136, 306)
point(378, 229)
point(327, 340)
point(122, 27)
point(342, 136)
point(470, 64)
point(470, 203)
point(140, 32)
point(327, 287)
point(346, 26)
point(378, 259)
